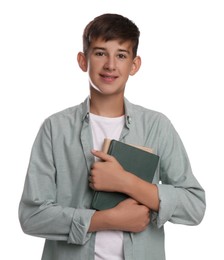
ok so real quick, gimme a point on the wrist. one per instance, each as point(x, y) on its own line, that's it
point(128, 183)
point(102, 220)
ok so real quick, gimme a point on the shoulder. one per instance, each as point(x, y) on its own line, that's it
point(65, 113)
point(149, 115)
point(69, 114)
point(65, 120)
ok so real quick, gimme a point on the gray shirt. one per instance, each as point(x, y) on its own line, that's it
point(56, 200)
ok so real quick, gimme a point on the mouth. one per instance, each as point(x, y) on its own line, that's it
point(108, 78)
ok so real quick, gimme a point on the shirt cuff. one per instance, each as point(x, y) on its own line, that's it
point(80, 225)
point(168, 203)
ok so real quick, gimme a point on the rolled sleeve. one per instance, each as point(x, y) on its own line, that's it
point(43, 210)
point(168, 203)
point(182, 199)
point(79, 230)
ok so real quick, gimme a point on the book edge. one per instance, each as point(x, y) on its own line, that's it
point(107, 141)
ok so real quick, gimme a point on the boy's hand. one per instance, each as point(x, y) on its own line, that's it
point(107, 174)
point(131, 216)
point(128, 215)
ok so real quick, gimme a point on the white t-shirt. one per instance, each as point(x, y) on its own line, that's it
point(108, 244)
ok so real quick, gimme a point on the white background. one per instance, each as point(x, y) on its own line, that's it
point(182, 75)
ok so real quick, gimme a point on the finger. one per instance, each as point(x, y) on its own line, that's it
point(103, 156)
point(91, 186)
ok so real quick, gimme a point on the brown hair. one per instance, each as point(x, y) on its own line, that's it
point(111, 27)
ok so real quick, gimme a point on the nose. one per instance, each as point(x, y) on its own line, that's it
point(110, 64)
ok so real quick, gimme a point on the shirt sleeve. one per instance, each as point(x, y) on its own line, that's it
point(182, 199)
point(39, 213)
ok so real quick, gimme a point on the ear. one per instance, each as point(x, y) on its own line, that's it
point(82, 61)
point(136, 65)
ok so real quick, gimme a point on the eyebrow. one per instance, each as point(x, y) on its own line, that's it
point(104, 49)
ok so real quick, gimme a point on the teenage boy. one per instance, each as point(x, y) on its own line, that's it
point(66, 163)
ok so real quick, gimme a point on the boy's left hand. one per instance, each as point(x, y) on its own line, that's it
point(107, 174)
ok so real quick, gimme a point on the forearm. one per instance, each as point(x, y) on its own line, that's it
point(180, 205)
point(101, 220)
point(54, 222)
point(142, 191)
point(128, 216)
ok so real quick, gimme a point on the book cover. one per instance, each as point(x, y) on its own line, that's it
point(137, 160)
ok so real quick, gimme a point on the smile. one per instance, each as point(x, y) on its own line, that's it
point(108, 78)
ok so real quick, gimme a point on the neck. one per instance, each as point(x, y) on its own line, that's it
point(108, 106)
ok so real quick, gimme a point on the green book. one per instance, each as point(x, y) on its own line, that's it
point(133, 159)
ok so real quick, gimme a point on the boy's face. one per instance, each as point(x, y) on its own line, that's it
point(109, 65)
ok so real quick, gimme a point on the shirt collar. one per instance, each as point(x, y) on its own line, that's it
point(128, 112)
point(85, 109)
point(127, 106)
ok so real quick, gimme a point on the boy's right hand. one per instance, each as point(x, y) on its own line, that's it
point(130, 216)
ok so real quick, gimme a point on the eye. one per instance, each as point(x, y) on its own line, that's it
point(121, 56)
point(100, 53)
